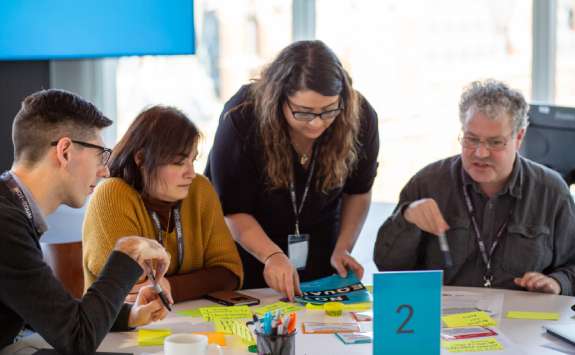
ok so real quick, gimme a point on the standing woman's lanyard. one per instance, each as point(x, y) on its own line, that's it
point(298, 244)
point(17, 191)
point(488, 275)
point(179, 233)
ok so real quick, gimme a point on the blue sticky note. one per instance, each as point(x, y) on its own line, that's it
point(407, 312)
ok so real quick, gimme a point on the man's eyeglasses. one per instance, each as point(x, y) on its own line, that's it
point(310, 116)
point(493, 144)
point(105, 153)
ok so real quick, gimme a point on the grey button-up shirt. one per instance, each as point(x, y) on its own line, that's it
point(540, 235)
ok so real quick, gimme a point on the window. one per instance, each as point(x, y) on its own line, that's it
point(234, 39)
point(565, 70)
point(411, 60)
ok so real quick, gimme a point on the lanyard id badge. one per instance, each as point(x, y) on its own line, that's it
point(298, 249)
point(298, 244)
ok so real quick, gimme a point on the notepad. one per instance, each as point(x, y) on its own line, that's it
point(329, 328)
point(283, 307)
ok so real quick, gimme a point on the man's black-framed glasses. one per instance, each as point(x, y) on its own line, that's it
point(310, 116)
point(105, 153)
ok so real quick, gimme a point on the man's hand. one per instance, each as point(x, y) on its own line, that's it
point(280, 275)
point(164, 284)
point(148, 308)
point(145, 252)
point(535, 281)
point(341, 260)
point(425, 214)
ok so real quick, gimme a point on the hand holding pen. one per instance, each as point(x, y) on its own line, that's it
point(425, 214)
point(158, 288)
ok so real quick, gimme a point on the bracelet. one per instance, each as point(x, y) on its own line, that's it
point(272, 254)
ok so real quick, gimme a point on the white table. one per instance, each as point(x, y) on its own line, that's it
point(527, 335)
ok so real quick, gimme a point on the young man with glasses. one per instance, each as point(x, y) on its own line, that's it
point(509, 222)
point(58, 159)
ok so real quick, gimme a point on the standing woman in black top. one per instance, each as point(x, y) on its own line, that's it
point(293, 162)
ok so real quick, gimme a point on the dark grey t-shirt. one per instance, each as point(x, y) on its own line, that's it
point(540, 234)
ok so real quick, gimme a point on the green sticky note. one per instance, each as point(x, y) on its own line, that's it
point(152, 337)
point(283, 307)
point(475, 345)
point(468, 319)
point(533, 315)
point(194, 312)
point(230, 312)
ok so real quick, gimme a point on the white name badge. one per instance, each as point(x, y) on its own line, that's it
point(298, 248)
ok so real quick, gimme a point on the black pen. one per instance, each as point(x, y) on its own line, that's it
point(445, 249)
point(159, 290)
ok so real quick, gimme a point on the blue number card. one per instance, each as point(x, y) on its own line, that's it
point(407, 312)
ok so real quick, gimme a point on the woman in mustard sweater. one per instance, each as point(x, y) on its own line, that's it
point(154, 192)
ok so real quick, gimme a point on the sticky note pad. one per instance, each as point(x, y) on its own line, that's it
point(533, 315)
point(475, 345)
point(236, 327)
point(468, 319)
point(231, 312)
point(152, 337)
point(284, 307)
point(194, 312)
point(214, 337)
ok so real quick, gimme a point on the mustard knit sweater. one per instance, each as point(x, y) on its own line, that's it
point(116, 210)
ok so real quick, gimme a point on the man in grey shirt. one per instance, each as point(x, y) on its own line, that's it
point(509, 222)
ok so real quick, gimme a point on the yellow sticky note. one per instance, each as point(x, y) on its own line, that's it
point(350, 307)
point(152, 337)
point(194, 312)
point(236, 327)
point(468, 319)
point(214, 337)
point(533, 315)
point(284, 307)
point(232, 312)
point(475, 345)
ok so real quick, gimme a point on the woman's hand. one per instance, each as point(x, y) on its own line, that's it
point(342, 261)
point(281, 275)
point(147, 308)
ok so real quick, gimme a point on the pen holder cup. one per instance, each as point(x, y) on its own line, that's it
point(276, 344)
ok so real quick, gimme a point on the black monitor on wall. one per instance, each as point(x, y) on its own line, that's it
point(550, 139)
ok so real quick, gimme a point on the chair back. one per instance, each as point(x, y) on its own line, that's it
point(65, 259)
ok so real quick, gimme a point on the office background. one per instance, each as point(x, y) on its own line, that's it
point(410, 58)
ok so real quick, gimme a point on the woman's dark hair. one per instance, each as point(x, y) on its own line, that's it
point(159, 135)
point(306, 65)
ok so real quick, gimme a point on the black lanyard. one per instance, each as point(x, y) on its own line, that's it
point(488, 276)
point(296, 210)
point(179, 233)
point(17, 191)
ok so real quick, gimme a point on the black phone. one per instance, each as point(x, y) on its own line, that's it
point(232, 298)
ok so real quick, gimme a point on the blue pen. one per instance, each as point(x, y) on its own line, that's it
point(267, 323)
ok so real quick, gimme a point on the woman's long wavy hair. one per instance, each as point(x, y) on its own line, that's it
point(306, 65)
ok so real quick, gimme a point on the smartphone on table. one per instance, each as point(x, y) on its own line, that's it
point(232, 298)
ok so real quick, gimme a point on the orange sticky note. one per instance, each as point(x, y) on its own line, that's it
point(214, 337)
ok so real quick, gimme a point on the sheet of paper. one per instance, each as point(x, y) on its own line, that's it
point(152, 337)
point(491, 303)
point(352, 307)
point(231, 312)
point(475, 345)
point(236, 327)
point(283, 307)
point(532, 315)
point(468, 320)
